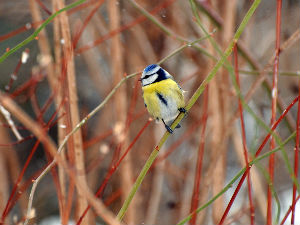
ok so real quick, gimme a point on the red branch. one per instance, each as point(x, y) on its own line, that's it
point(35, 78)
point(121, 29)
point(10, 203)
point(195, 197)
point(296, 160)
point(24, 28)
point(14, 75)
point(114, 196)
point(289, 211)
point(273, 118)
point(113, 169)
point(256, 155)
point(97, 139)
point(236, 70)
point(44, 7)
point(133, 103)
point(85, 23)
point(34, 25)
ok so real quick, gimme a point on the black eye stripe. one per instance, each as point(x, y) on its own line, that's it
point(147, 76)
point(161, 75)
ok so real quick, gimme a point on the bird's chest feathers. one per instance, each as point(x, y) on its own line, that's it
point(161, 100)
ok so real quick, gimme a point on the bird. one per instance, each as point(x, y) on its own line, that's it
point(163, 97)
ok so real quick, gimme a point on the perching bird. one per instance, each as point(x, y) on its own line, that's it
point(163, 97)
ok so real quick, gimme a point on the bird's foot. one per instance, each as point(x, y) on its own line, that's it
point(169, 129)
point(182, 110)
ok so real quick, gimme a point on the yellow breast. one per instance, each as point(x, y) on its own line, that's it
point(170, 92)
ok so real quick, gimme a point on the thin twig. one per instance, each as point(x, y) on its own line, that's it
point(37, 31)
point(73, 117)
point(195, 197)
point(273, 117)
point(245, 148)
point(39, 132)
point(296, 160)
point(10, 122)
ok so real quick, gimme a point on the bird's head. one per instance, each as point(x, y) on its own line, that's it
point(153, 73)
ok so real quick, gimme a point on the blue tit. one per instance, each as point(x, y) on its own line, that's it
point(163, 97)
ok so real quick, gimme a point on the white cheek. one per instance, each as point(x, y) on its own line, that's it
point(149, 80)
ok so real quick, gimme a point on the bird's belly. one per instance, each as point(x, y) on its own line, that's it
point(168, 111)
point(163, 99)
point(165, 109)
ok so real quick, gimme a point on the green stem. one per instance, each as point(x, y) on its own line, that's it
point(231, 73)
point(281, 73)
point(137, 183)
point(155, 21)
point(235, 178)
point(189, 44)
point(141, 176)
point(189, 105)
point(38, 30)
point(225, 55)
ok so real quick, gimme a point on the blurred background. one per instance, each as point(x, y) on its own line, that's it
point(78, 58)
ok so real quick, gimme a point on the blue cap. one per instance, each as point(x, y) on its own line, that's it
point(150, 67)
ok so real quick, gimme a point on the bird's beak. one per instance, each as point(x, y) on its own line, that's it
point(140, 79)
